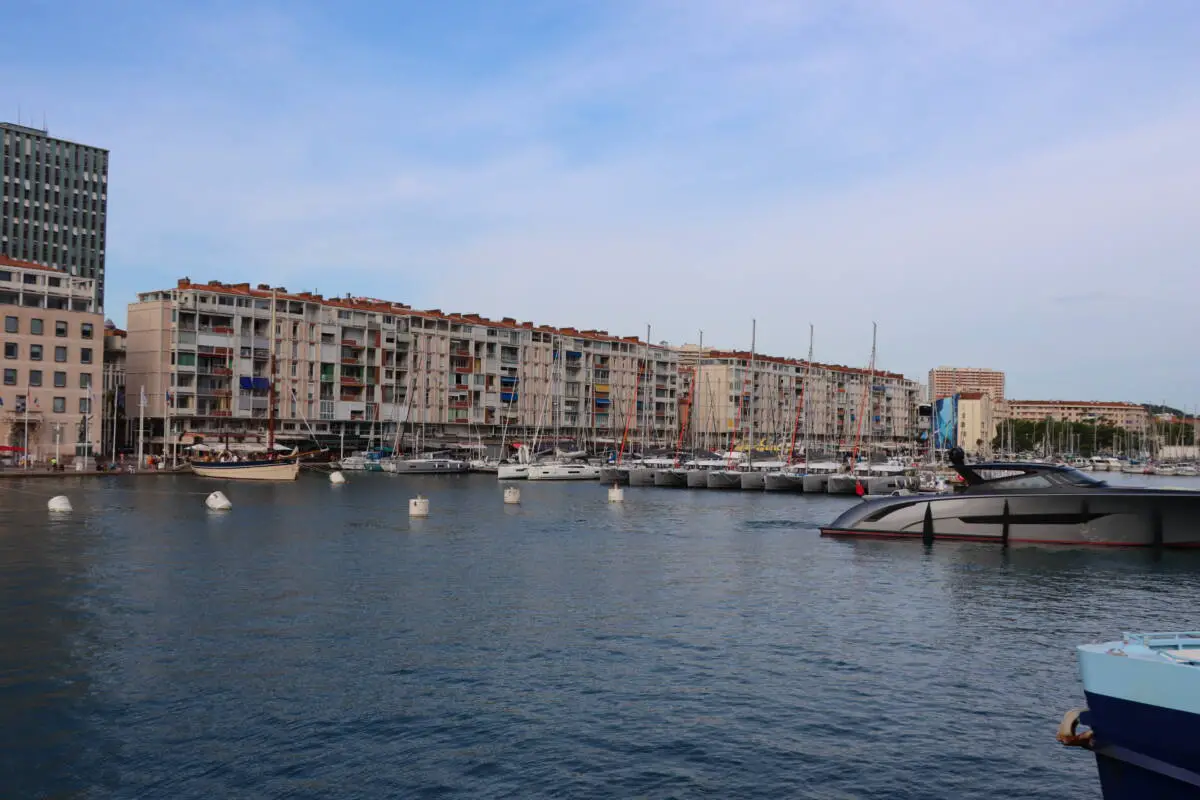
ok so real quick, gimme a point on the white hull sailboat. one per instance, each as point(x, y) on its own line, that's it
point(563, 472)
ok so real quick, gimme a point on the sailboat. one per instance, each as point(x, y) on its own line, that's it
point(791, 477)
point(731, 476)
point(271, 468)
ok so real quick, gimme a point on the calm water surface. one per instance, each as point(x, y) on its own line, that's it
point(315, 642)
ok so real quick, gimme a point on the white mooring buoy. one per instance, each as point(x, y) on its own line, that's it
point(337, 478)
point(512, 495)
point(616, 494)
point(418, 506)
point(59, 503)
point(217, 501)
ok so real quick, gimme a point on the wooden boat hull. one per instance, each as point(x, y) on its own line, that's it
point(249, 470)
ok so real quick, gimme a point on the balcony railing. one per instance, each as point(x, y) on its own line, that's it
point(223, 330)
point(356, 382)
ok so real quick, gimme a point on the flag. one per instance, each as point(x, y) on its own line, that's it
point(142, 399)
point(1, 401)
point(168, 397)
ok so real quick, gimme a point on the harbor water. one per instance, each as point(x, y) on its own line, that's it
point(314, 641)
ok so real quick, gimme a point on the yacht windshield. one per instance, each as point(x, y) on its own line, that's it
point(1077, 478)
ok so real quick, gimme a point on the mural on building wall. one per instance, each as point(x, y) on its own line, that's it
point(945, 422)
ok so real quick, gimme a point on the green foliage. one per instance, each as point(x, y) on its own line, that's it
point(1082, 438)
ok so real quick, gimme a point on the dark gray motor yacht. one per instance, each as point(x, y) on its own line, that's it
point(1031, 503)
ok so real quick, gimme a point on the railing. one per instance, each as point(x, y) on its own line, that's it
point(350, 398)
point(208, 349)
point(224, 330)
point(214, 371)
point(346, 381)
point(458, 404)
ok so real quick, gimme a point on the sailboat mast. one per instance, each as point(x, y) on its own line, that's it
point(753, 334)
point(271, 385)
point(804, 401)
point(646, 412)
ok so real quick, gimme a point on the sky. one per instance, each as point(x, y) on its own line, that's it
point(1011, 185)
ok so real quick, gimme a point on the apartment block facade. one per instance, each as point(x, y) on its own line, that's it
point(54, 203)
point(730, 388)
point(949, 381)
point(53, 358)
point(1130, 416)
point(371, 369)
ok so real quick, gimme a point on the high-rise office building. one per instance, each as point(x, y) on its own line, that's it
point(948, 381)
point(54, 203)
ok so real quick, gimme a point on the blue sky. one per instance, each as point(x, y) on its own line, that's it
point(1012, 184)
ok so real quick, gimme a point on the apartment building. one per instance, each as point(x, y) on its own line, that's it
point(729, 386)
point(53, 350)
point(54, 203)
point(1130, 416)
point(370, 369)
point(949, 381)
point(976, 423)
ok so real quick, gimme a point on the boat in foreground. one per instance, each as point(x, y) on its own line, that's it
point(1031, 503)
point(1142, 715)
point(276, 470)
point(568, 471)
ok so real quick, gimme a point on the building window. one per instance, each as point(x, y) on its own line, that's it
point(85, 380)
point(85, 407)
point(85, 355)
point(86, 330)
point(60, 405)
point(11, 350)
point(60, 329)
point(10, 377)
point(60, 380)
point(35, 352)
point(35, 377)
point(12, 325)
point(60, 355)
point(35, 327)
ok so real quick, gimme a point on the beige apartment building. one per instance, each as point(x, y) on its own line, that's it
point(53, 357)
point(976, 423)
point(371, 369)
point(949, 381)
point(730, 388)
point(1130, 416)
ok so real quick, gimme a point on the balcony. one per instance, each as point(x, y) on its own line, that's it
point(352, 362)
point(352, 344)
point(207, 370)
point(210, 350)
point(355, 382)
point(460, 404)
point(222, 330)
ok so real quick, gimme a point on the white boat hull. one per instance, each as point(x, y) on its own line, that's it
point(512, 472)
point(563, 472)
point(249, 471)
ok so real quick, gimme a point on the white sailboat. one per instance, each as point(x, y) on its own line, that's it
point(563, 467)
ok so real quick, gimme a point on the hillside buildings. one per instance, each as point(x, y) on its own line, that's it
point(1130, 416)
point(54, 204)
point(53, 351)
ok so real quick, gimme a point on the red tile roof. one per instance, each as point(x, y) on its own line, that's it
point(5, 261)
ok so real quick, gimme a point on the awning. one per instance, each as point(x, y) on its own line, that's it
point(8, 448)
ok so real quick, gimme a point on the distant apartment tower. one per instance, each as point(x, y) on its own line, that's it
point(949, 381)
point(54, 203)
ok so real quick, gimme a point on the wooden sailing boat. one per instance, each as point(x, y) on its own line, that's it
point(271, 468)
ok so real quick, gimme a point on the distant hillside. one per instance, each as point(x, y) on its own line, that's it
point(1158, 409)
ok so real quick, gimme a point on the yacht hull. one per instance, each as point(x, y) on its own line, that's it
point(724, 479)
point(423, 467)
point(512, 472)
point(697, 479)
point(563, 472)
point(816, 484)
point(1115, 518)
point(641, 476)
point(842, 484)
point(676, 478)
point(752, 481)
point(610, 475)
point(783, 482)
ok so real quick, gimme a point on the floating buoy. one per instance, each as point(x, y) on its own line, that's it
point(59, 503)
point(217, 501)
point(512, 495)
point(616, 494)
point(418, 506)
point(337, 478)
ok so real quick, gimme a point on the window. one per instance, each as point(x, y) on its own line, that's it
point(85, 355)
point(11, 350)
point(35, 327)
point(86, 330)
point(85, 380)
point(60, 405)
point(60, 380)
point(35, 352)
point(60, 329)
point(12, 325)
point(60, 355)
point(35, 377)
point(84, 406)
point(10, 377)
